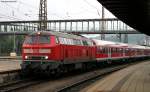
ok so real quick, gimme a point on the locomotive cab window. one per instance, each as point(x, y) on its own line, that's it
point(44, 39)
point(30, 39)
point(34, 39)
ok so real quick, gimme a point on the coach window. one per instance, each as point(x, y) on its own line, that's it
point(57, 40)
point(60, 40)
point(63, 42)
point(114, 50)
point(70, 41)
point(78, 42)
point(103, 50)
point(67, 42)
point(74, 42)
point(65, 39)
point(99, 50)
point(111, 50)
point(126, 50)
point(117, 50)
point(81, 43)
point(85, 43)
point(90, 43)
point(106, 50)
point(121, 50)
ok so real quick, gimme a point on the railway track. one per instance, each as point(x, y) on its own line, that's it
point(76, 87)
point(63, 84)
point(67, 83)
point(97, 75)
point(19, 84)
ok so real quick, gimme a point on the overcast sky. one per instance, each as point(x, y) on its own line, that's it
point(57, 9)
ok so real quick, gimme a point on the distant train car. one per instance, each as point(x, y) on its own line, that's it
point(108, 51)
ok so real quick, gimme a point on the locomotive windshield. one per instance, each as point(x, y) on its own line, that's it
point(34, 39)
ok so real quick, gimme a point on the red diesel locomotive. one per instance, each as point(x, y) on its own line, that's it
point(54, 52)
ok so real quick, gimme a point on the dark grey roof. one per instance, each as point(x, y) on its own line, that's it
point(59, 34)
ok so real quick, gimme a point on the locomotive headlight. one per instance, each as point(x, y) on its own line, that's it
point(26, 57)
point(44, 50)
point(46, 57)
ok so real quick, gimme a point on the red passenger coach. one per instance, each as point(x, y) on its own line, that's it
point(55, 51)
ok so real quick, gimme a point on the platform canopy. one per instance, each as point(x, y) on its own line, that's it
point(135, 13)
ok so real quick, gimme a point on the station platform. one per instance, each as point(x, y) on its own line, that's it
point(135, 78)
point(11, 57)
point(8, 65)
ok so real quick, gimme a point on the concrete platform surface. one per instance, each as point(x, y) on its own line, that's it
point(135, 78)
point(8, 65)
point(11, 57)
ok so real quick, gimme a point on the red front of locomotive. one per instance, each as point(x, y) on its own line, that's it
point(39, 47)
point(39, 51)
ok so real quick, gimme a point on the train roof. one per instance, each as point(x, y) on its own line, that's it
point(117, 44)
point(102, 42)
point(109, 43)
point(60, 34)
point(138, 46)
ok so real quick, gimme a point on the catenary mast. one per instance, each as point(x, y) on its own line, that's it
point(43, 15)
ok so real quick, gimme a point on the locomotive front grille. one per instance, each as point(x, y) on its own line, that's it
point(36, 58)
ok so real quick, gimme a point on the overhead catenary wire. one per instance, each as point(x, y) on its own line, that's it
point(36, 9)
point(6, 15)
point(92, 6)
point(10, 17)
point(30, 7)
